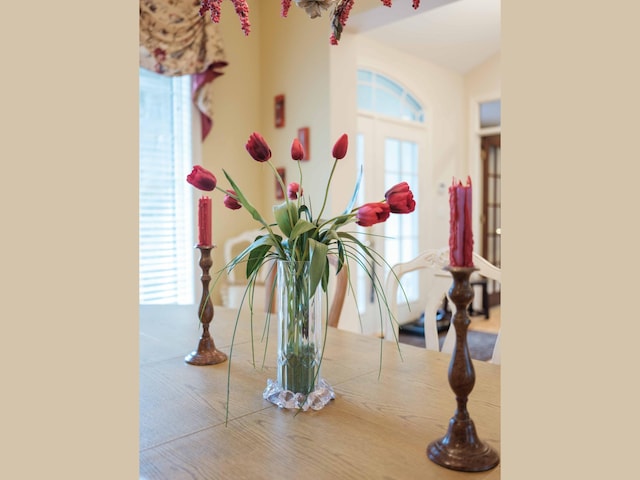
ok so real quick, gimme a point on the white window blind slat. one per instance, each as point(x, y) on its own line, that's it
point(165, 219)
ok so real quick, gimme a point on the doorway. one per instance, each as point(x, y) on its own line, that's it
point(491, 208)
point(394, 152)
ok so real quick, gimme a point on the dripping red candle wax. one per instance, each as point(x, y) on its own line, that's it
point(461, 232)
point(204, 221)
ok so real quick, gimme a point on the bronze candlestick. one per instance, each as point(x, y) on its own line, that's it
point(207, 353)
point(461, 449)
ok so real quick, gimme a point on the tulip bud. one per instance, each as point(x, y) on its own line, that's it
point(258, 148)
point(400, 198)
point(230, 201)
point(372, 213)
point(202, 179)
point(340, 147)
point(292, 190)
point(297, 150)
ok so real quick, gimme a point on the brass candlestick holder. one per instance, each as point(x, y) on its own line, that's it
point(461, 449)
point(207, 353)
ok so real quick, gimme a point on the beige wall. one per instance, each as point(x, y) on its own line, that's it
point(483, 83)
point(236, 97)
point(295, 59)
point(318, 81)
point(441, 92)
point(259, 70)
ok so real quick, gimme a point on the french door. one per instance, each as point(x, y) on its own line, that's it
point(391, 152)
point(491, 207)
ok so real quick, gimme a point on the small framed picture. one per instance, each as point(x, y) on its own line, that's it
point(303, 138)
point(279, 111)
point(283, 175)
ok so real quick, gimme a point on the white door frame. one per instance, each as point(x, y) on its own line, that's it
point(375, 129)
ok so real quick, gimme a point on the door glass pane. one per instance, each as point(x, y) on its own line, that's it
point(401, 231)
point(387, 103)
point(365, 97)
point(390, 85)
point(413, 108)
point(410, 284)
point(490, 114)
point(365, 76)
point(363, 283)
point(392, 156)
point(490, 191)
point(378, 93)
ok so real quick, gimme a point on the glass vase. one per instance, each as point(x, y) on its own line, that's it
point(302, 319)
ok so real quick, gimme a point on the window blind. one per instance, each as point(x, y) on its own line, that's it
point(165, 201)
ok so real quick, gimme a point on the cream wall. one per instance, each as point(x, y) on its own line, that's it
point(295, 62)
point(318, 81)
point(483, 83)
point(236, 97)
point(441, 92)
point(259, 70)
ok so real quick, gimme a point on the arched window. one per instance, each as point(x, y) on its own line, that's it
point(391, 148)
point(379, 94)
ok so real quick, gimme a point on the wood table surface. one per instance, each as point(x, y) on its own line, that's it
point(378, 427)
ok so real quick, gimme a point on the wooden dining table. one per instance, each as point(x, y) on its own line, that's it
point(211, 422)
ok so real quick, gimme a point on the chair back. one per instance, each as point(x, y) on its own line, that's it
point(233, 246)
point(438, 284)
point(236, 283)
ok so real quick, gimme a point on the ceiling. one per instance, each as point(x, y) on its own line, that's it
point(455, 34)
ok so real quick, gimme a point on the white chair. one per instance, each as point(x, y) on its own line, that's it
point(235, 287)
point(438, 284)
point(236, 283)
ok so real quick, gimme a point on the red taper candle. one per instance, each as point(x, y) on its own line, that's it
point(204, 221)
point(460, 223)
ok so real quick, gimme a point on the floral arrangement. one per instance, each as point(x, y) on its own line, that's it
point(313, 8)
point(299, 242)
point(298, 234)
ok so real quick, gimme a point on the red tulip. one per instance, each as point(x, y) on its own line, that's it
point(292, 190)
point(202, 178)
point(230, 201)
point(297, 150)
point(340, 147)
point(258, 148)
point(400, 198)
point(372, 213)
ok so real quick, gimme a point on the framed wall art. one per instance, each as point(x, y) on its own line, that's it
point(279, 111)
point(283, 175)
point(303, 138)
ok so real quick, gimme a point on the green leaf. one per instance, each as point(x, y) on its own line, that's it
point(318, 262)
point(301, 227)
point(243, 200)
point(365, 249)
point(305, 210)
point(354, 197)
point(256, 258)
point(341, 255)
point(265, 240)
point(325, 277)
point(286, 217)
point(342, 219)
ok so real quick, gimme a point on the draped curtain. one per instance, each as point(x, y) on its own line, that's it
point(175, 40)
